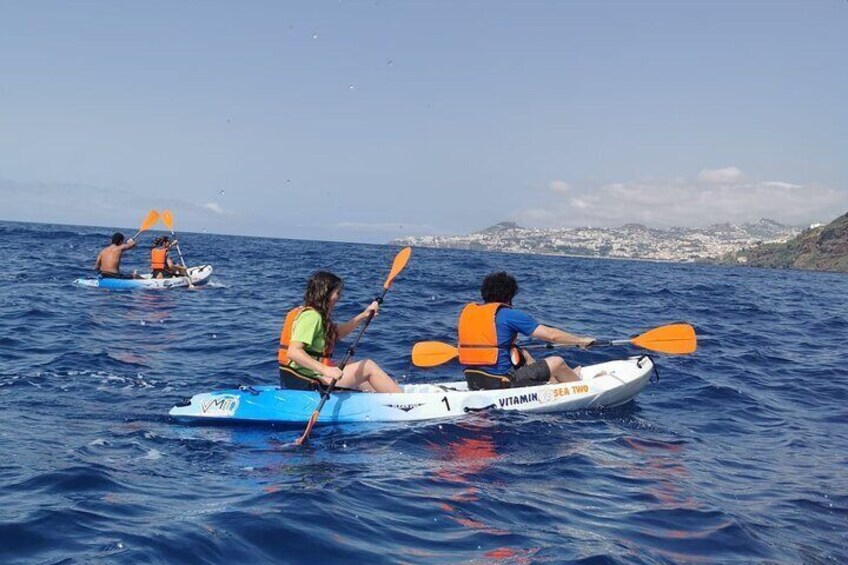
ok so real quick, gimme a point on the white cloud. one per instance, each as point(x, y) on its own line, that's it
point(780, 184)
point(559, 186)
point(540, 216)
point(213, 207)
point(581, 203)
point(113, 207)
point(73, 203)
point(682, 202)
point(728, 174)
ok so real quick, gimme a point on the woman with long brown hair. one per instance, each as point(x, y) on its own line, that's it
point(309, 335)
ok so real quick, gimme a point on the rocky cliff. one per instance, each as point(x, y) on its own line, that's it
point(824, 248)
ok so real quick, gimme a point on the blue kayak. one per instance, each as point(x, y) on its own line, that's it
point(198, 275)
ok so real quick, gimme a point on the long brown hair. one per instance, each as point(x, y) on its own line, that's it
point(319, 289)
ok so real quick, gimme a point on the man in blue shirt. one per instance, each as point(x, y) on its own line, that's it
point(498, 290)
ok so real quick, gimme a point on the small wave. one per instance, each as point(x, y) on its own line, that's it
point(69, 480)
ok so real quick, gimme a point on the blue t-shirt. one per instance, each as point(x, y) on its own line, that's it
point(509, 323)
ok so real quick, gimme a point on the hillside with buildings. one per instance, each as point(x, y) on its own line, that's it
point(630, 241)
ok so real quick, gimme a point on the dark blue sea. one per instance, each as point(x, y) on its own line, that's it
point(738, 455)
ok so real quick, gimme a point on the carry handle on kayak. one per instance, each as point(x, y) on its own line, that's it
point(398, 265)
point(672, 339)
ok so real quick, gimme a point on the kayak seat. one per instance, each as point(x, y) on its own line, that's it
point(478, 379)
point(292, 380)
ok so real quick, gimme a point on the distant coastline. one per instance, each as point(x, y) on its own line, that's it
point(630, 241)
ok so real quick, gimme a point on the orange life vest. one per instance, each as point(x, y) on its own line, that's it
point(478, 335)
point(285, 340)
point(158, 258)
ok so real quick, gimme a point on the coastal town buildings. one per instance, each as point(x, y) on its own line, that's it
point(631, 241)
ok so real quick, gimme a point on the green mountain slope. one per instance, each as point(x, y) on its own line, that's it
point(824, 248)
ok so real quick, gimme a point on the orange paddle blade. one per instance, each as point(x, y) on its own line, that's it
point(149, 220)
point(168, 219)
point(432, 353)
point(401, 259)
point(674, 339)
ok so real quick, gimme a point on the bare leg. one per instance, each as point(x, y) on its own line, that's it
point(369, 374)
point(595, 376)
point(560, 372)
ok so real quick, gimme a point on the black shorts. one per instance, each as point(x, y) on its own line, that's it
point(104, 275)
point(164, 272)
point(530, 375)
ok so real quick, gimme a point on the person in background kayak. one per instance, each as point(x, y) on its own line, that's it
point(487, 334)
point(308, 337)
point(160, 263)
point(108, 262)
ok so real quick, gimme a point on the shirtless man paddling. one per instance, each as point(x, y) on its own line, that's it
point(108, 262)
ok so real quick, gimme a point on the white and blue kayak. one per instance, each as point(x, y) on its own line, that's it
point(602, 385)
point(198, 275)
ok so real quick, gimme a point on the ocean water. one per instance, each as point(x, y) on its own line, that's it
point(738, 455)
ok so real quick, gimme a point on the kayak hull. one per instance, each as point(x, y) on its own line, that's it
point(270, 404)
point(199, 276)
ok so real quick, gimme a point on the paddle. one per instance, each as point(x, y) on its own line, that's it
point(673, 339)
point(151, 218)
point(397, 266)
point(168, 219)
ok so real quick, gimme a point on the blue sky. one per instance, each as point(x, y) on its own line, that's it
point(362, 121)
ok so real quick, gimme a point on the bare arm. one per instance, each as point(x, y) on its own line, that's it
point(553, 335)
point(97, 261)
point(128, 245)
point(299, 355)
point(347, 327)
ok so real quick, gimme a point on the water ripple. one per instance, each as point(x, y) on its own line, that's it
point(736, 456)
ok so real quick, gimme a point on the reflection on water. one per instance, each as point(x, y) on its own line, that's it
point(461, 463)
point(661, 464)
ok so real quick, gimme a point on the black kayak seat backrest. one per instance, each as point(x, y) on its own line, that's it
point(479, 379)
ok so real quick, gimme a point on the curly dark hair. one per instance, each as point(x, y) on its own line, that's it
point(499, 287)
point(319, 288)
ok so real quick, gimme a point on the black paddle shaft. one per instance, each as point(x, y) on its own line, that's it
point(596, 343)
